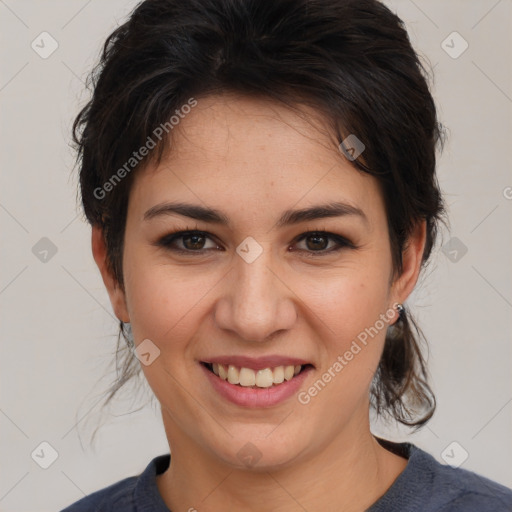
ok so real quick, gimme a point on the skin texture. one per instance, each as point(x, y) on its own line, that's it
point(252, 159)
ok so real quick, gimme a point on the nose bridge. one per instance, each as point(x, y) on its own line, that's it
point(256, 303)
point(255, 288)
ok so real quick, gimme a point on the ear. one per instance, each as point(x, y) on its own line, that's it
point(412, 255)
point(116, 294)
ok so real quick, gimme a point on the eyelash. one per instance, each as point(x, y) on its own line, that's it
point(341, 242)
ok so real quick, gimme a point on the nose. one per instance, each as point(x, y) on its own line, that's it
point(256, 302)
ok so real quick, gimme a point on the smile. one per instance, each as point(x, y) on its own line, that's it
point(249, 378)
point(255, 382)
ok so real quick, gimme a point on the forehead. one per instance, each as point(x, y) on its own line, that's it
point(235, 129)
point(239, 152)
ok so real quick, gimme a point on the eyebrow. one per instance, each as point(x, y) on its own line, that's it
point(288, 218)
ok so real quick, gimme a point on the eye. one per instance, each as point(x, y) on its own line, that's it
point(318, 242)
point(186, 241)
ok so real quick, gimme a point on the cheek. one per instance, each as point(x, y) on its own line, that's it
point(164, 304)
point(346, 302)
point(160, 304)
point(350, 338)
point(353, 314)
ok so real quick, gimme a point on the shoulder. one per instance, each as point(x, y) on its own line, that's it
point(129, 494)
point(426, 485)
point(467, 491)
point(118, 496)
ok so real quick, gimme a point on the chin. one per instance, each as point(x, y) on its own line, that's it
point(260, 452)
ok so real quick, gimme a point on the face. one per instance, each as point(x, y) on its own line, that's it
point(258, 282)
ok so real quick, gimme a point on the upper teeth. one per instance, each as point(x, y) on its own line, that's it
point(261, 378)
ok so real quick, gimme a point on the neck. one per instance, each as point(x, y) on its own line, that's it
point(349, 474)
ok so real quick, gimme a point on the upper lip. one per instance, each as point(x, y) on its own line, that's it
point(257, 363)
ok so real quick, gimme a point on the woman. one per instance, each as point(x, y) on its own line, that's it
point(260, 181)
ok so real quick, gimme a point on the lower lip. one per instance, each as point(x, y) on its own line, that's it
point(254, 397)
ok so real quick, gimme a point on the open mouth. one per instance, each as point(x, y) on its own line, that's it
point(249, 378)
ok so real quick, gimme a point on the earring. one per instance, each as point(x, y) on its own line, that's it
point(401, 311)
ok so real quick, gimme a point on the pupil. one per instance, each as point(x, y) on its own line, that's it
point(319, 245)
point(195, 244)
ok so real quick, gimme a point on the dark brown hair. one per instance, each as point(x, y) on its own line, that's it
point(351, 60)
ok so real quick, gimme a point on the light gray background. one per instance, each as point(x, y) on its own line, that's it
point(58, 332)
